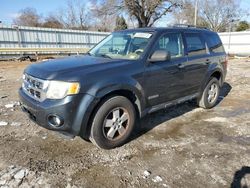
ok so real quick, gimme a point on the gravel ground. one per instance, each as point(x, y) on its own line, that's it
point(183, 146)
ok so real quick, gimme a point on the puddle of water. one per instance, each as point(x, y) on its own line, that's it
point(170, 131)
point(97, 176)
point(242, 140)
point(236, 112)
point(217, 119)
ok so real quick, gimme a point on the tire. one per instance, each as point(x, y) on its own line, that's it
point(210, 94)
point(113, 122)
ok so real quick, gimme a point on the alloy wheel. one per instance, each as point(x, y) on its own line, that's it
point(116, 123)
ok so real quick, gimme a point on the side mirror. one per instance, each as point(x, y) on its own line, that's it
point(160, 55)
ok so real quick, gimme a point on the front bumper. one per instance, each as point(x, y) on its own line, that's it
point(74, 110)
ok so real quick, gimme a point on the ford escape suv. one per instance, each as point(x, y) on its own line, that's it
point(129, 74)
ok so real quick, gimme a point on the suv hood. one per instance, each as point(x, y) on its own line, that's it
point(54, 69)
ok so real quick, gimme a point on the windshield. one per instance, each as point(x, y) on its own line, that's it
point(122, 45)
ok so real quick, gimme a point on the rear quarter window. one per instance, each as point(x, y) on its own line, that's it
point(214, 43)
point(195, 44)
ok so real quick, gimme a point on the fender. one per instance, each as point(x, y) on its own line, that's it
point(211, 70)
point(100, 89)
point(103, 88)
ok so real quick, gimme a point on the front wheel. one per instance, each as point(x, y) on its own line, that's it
point(113, 122)
point(210, 94)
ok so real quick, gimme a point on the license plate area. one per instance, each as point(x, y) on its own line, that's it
point(28, 111)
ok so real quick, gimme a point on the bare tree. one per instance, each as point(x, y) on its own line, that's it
point(52, 22)
point(185, 15)
point(218, 14)
point(104, 14)
point(147, 12)
point(28, 17)
point(75, 15)
point(214, 14)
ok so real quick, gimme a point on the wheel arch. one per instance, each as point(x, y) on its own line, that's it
point(217, 74)
point(130, 94)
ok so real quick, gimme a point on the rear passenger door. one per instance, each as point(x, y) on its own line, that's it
point(216, 48)
point(198, 60)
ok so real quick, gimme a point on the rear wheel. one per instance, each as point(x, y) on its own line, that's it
point(113, 122)
point(210, 94)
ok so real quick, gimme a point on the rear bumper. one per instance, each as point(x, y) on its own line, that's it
point(74, 110)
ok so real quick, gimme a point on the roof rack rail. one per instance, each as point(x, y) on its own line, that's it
point(183, 25)
point(189, 26)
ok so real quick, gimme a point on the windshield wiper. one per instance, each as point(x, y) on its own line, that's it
point(105, 56)
point(99, 55)
point(88, 53)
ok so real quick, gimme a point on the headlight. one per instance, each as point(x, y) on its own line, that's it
point(59, 90)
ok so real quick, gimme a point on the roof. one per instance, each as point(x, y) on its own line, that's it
point(171, 28)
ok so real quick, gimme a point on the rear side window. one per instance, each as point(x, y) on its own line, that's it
point(214, 43)
point(195, 44)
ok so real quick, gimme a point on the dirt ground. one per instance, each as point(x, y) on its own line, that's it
point(183, 146)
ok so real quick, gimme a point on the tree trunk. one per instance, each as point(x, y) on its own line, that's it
point(142, 22)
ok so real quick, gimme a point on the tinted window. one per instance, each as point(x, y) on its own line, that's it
point(214, 43)
point(195, 44)
point(171, 42)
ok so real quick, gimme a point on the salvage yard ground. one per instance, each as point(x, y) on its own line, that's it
point(183, 146)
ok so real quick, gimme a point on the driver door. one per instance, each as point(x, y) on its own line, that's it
point(164, 80)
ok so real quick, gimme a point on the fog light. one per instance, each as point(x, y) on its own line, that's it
point(55, 121)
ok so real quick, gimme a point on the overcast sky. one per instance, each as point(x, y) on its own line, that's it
point(10, 8)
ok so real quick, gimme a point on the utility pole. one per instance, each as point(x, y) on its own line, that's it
point(230, 32)
point(195, 12)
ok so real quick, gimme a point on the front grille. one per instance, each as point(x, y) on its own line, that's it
point(34, 87)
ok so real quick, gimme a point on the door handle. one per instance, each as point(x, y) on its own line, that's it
point(208, 61)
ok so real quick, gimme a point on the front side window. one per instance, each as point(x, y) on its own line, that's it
point(195, 44)
point(172, 43)
point(122, 45)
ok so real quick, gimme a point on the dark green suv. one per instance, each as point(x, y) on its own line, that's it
point(129, 74)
